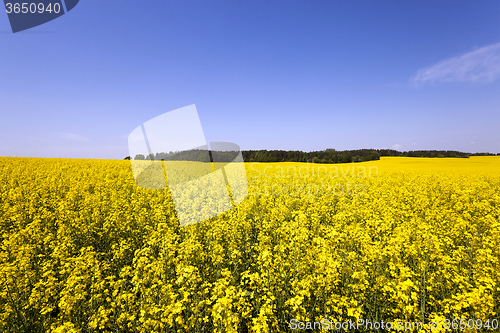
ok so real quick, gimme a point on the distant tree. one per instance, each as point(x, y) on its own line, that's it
point(151, 157)
point(127, 158)
point(373, 156)
point(203, 157)
point(315, 159)
point(139, 157)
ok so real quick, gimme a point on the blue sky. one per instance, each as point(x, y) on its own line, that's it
point(292, 75)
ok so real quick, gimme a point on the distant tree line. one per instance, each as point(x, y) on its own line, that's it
point(323, 156)
point(484, 154)
point(199, 155)
point(431, 153)
point(326, 156)
point(423, 153)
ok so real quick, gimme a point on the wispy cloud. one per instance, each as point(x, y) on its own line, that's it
point(396, 146)
point(481, 66)
point(73, 137)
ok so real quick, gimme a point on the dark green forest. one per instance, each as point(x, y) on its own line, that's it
point(323, 156)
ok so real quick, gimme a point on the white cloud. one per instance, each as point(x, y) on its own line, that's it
point(481, 66)
point(396, 146)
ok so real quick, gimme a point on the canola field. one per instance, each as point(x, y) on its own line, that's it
point(83, 249)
